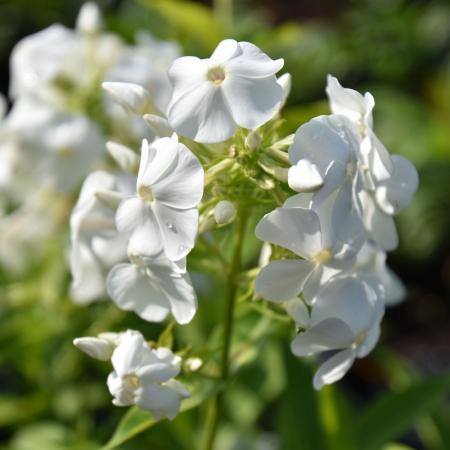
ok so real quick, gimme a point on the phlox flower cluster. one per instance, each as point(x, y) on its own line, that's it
point(212, 145)
point(336, 231)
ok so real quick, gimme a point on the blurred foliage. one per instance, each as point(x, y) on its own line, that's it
point(52, 397)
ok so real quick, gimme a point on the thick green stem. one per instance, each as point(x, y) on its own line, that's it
point(233, 283)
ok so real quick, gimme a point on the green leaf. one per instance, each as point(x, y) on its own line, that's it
point(166, 337)
point(396, 412)
point(191, 21)
point(297, 420)
point(135, 421)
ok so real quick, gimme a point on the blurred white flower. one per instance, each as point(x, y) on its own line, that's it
point(132, 97)
point(145, 377)
point(163, 214)
point(345, 318)
point(153, 287)
point(95, 243)
point(236, 86)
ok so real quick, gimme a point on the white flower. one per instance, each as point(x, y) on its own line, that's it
point(39, 58)
point(236, 86)
point(163, 214)
point(144, 377)
point(146, 64)
point(303, 232)
point(153, 287)
point(345, 318)
point(95, 243)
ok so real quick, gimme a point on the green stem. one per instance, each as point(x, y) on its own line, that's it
point(233, 283)
point(223, 10)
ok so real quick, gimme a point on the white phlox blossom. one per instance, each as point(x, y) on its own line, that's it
point(345, 319)
point(303, 232)
point(236, 86)
point(141, 376)
point(96, 246)
point(390, 181)
point(163, 214)
point(153, 287)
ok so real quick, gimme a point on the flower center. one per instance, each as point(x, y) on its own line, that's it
point(131, 381)
point(216, 74)
point(146, 193)
point(359, 339)
point(323, 256)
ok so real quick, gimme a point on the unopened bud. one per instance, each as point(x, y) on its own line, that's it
point(253, 140)
point(159, 125)
point(132, 97)
point(96, 348)
point(125, 158)
point(224, 212)
point(193, 364)
point(89, 20)
point(111, 199)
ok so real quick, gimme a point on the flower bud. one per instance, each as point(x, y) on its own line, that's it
point(132, 97)
point(125, 158)
point(89, 20)
point(224, 212)
point(96, 348)
point(193, 364)
point(253, 140)
point(159, 125)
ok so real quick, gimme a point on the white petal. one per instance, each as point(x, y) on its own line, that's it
point(297, 309)
point(185, 73)
point(330, 334)
point(296, 229)
point(130, 214)
point(345, 299)
point(160, 400)
point(89, 19)
point(178, 229)
point(381, 226)
point(347, 102)
point(325, 139)
point(202, 114)
point(252, 101)
point(395, 290)
point(369, 342)
point(127, 356)
point(183, 186)
point(304, 177)
point(253, 63)
point(94, 347)
point(157, 160)
point(181, 295)
point(283, 280)
point(132, 290)
point(333, 369)
point(224, 51)
point(397, 192)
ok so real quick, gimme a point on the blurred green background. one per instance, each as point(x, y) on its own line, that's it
point(52, 397)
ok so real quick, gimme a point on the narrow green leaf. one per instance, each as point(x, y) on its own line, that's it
point(396, 412)
point(166, 337)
